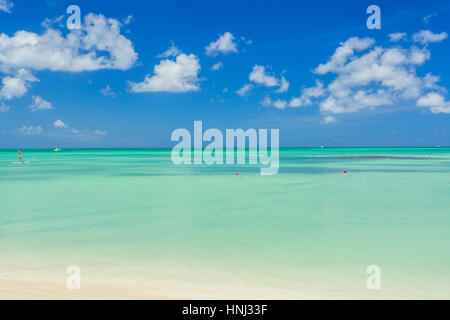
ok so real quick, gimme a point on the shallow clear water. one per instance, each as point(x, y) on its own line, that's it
point(133, 215)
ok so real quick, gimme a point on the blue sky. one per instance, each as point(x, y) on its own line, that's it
point(348, 85)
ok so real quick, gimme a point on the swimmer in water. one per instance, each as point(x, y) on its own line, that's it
point(429, 157)
point(19, 153)
point(236, 175)
point(344, 173)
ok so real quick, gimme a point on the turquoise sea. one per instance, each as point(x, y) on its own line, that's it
point(130, 215)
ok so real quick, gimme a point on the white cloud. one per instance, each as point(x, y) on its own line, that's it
point(59, 124)
point(225, 44)
point(430, 81)
point(61, 130)
point(426, 36)
point(17, 85)
point(284, 86)
point(435, 102)
point(48, 22)
point(355, 102)
point(29, 130)
point(259, 76)
point(128, 20)
point(426, 19)
point(66, 131)
point(342, 54)
point(4, 108)
point(397, 36)
point(419, 56)
point(98, 45)
point(107, 92)
point(279, 104)
point(40, 104)
point(363, 76)
point(100, 132)
point(217, 66)
point(246, 88)
point(305, 99)
point(6, 5)
point(179, 75)
point(378, 77)
point(246, 41)
point(329, 119)
point(173, 51)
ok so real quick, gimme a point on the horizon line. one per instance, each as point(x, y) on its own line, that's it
point(162, 148)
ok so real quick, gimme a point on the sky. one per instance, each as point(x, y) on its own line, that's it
point(133, 71)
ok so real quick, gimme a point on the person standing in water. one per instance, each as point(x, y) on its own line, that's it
point(19, 153)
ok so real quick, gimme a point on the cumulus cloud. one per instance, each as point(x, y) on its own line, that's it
point(342, 54)
point(224, 44)
point(4, 108)
point(307, 94)
point(17, 85)
point(59, 124)
point(364, 76)
point(426, 36)
point(173, 51)
point(397, 36)
point(259, 76)
point(305, 99)
point(430, 81)
point(284, 86)
point(217, 66)
point(31, 130)
point(98, 45)
point(376, 78)
point(279, 104)
point(6, 5)
point(435, 102)
point(179, 75)
point(39, 104)
point(246, 88)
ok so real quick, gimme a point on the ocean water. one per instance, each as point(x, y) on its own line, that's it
point(133, 216)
